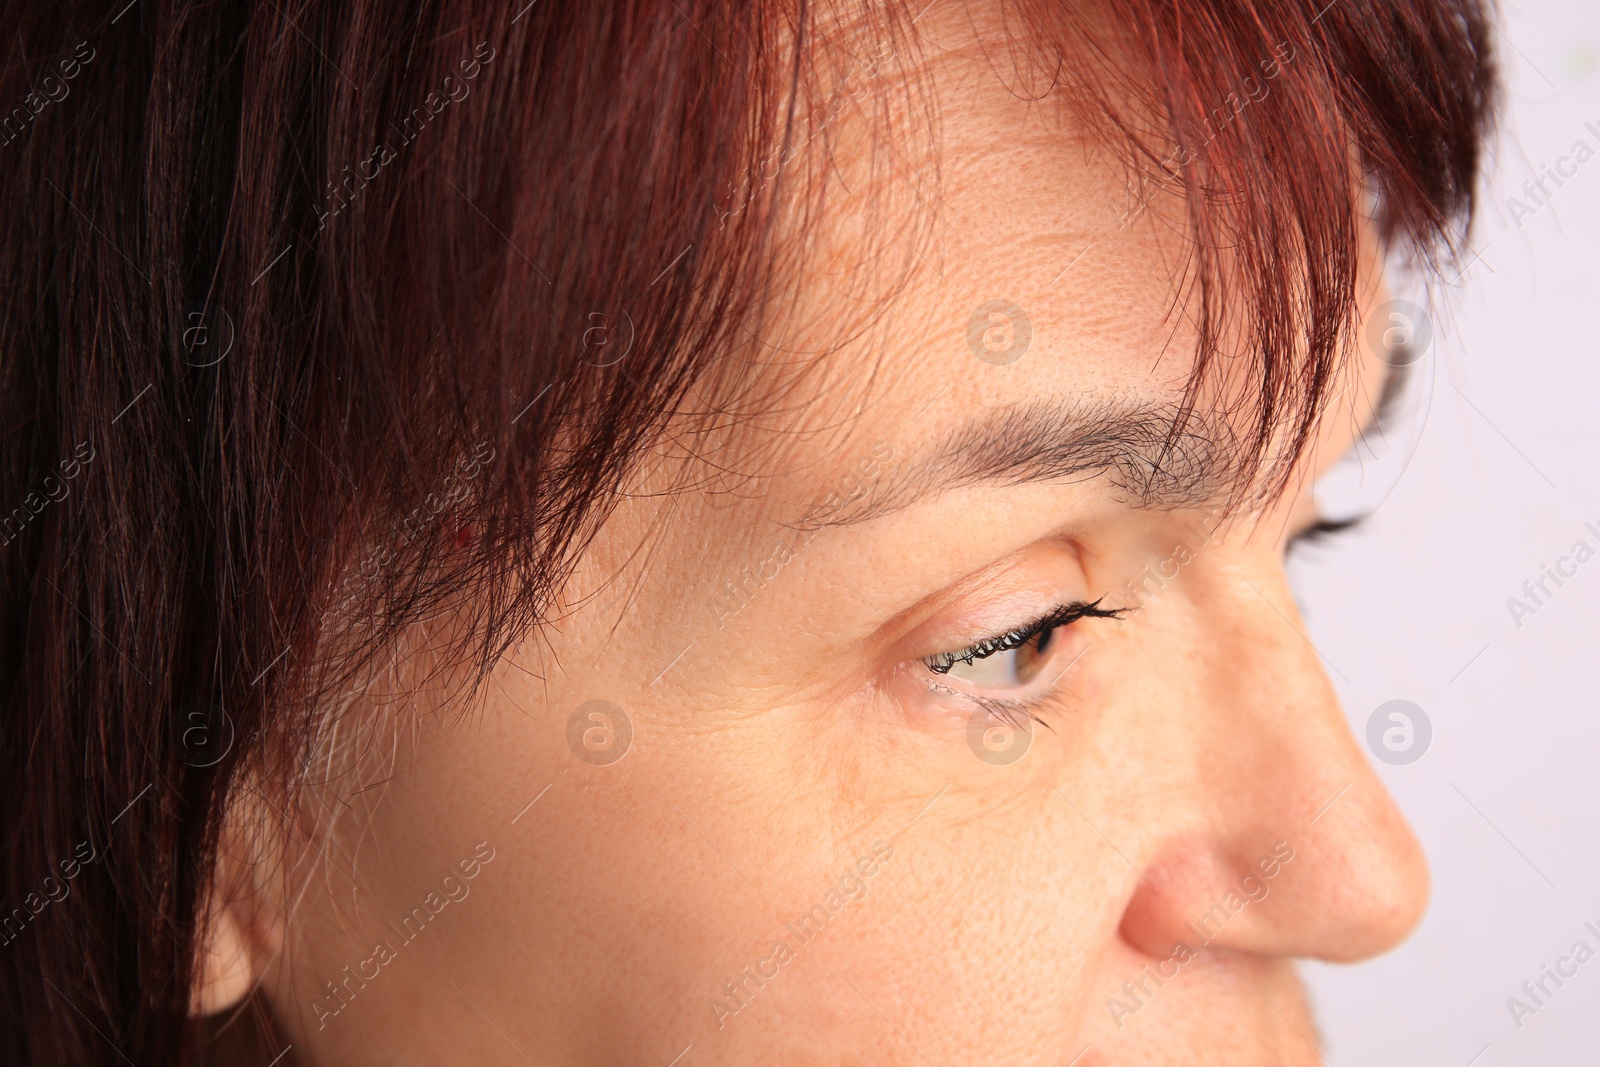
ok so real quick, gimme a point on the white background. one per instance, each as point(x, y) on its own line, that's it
point(1414, 606)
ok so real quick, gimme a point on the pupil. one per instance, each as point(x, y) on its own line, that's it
point(1032, 654)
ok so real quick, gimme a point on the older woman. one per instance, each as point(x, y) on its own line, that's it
point(695, 533)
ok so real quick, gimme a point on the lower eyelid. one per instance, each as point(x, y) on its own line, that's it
point(1008, 710)
point(1011, 712)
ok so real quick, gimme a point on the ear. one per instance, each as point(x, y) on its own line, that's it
point(225, 962)
point(236, 932)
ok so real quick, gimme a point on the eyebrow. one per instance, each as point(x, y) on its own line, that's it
point(1154, 454)
point(1043, 441)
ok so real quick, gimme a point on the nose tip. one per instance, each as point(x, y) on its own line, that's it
point(1279, 838)
point(1364, 864)
point(1352, 884)
point(1293, 875)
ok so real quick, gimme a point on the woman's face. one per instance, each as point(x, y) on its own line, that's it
point(732, 806)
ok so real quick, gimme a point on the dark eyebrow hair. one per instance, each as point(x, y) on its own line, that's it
point(1155, 455)
point(1151, 453)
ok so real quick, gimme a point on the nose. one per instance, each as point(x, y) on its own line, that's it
point(1278, 839)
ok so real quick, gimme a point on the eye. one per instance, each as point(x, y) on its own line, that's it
point(1016, 658)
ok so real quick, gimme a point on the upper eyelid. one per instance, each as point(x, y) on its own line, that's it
point(1066, 615)
point(1014, 709)
point(975, 650)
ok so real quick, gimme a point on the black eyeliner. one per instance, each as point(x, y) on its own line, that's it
point(1064, 615)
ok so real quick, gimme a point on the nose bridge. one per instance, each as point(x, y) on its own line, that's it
point(1292, 846)
point(1281, 740)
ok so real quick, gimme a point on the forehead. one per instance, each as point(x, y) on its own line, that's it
point(963, 247)
point(968, 255)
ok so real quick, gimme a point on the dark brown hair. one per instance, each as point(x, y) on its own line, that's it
point(296, 313)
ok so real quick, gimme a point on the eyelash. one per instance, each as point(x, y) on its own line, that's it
point(1012, 711)
point(1325, 530)
point(1065, 615)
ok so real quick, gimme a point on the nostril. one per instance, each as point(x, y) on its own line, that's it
point(1195, 896)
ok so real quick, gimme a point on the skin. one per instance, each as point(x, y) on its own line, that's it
point(1189, 746)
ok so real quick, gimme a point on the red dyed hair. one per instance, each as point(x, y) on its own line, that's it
point(293, 312)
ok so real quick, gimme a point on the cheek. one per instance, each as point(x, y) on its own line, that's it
point(746, 835)
point(1018, 898)
point(638, 906)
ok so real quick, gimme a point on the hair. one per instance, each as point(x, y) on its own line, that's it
point(296, 304)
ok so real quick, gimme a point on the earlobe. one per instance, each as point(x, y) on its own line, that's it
point(236, 931)
point(225, 971)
